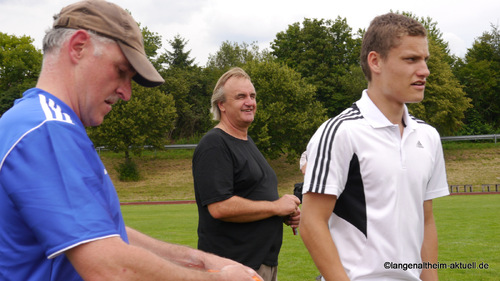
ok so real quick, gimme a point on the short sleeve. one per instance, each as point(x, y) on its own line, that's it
point(58, 183)
point(438, 184)
point(212, 173)
point(328, 158)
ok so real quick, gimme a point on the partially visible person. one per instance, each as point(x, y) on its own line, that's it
point(60, 214)
point(240, 211)
point(297, 188)
point(374, 169)
point(303, 162)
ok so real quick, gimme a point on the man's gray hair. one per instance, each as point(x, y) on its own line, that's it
point(55, 37)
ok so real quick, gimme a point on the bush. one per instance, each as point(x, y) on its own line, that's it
point(128, 171)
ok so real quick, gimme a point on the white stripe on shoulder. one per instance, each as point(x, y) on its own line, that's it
point(53, 111)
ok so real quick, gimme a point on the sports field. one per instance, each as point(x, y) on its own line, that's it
point(468, 229)
point(468, 225)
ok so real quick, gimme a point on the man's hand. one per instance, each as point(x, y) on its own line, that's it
point(293, 220)
point(238, 272)
point(288, 205)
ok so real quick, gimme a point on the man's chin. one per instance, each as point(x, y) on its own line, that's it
point(93, 123)
point(249, 121)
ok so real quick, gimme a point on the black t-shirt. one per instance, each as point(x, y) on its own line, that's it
point(224, 166)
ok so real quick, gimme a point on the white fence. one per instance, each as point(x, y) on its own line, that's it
point(470, 138)
point(493, 137)
point(469, 188)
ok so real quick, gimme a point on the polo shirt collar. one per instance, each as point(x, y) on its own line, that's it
point(376, 118)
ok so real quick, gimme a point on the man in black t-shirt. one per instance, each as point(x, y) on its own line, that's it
point(240, 211)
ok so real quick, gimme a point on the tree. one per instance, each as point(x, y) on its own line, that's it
point(323, 52)
point(480, 75)
point(231, 54)
point(178, 58)
point(288, 113)
point(152, 43)
point(187, 84)
point(435, 35)
point(146, 119)
point(189, 88)
point(20, 64)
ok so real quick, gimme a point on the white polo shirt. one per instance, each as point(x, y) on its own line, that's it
point(381, 180)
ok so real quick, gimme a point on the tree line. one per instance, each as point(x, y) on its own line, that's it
point(310, 72)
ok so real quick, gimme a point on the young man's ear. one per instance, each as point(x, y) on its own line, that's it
point(78, 45)
point(374, 61)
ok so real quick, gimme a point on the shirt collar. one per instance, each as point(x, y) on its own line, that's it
point(375, 117)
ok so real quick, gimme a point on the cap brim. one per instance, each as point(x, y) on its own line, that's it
point(147, 75)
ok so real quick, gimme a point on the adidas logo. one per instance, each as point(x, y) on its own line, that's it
point(419, 145)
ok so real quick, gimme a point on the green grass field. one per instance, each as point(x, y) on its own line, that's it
point(468, 225)
point(468, 229)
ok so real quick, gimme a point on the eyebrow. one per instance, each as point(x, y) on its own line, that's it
point(239, 94)
point(128, 67)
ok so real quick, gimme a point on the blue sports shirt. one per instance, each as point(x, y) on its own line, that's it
point(55, 193)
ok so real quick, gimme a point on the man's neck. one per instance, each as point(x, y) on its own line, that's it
point(392, 110)
point(239, 133)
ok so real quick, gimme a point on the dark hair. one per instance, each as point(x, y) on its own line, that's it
point(384, 33)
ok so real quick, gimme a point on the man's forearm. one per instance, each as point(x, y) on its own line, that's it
point(315, 233)
point(242, 210)
point(429, 252)
point(113, 259)
point(179, 254)
point(323, 252)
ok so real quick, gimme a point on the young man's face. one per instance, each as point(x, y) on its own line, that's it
point(240, 105)
point(404, 71)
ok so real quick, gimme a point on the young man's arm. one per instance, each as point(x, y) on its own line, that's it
point(429, 251)
point(113, 259)
point(314, 230)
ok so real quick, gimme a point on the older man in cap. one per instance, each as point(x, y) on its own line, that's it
point(60, 215)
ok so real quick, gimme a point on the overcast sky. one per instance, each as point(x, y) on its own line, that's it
point(207, 23)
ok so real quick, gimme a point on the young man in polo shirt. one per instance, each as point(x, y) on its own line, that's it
point(374, 169)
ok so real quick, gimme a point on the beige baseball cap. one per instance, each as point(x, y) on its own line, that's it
point(110, 20)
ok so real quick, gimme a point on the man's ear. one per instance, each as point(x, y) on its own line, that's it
point(374, 62)
point(78, 45)
point(220, 104)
